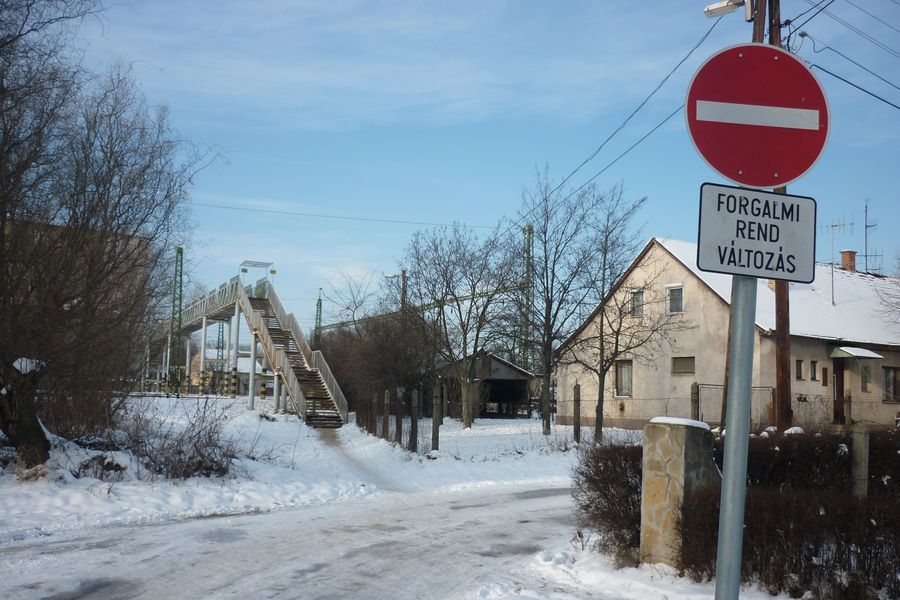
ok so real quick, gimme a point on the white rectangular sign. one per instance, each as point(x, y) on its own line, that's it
point(755, 233)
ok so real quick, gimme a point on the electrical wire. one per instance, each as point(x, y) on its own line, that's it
point(803, 34)
point(860, 88)
point(877, 18)
point(637, 109)
point(862, 34)
point(818, 12)
point(327, 216)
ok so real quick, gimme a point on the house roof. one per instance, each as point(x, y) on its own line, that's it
point(857, 314)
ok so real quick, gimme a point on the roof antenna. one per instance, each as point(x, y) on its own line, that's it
point(842, 226)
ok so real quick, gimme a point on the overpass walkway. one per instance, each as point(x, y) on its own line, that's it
point(304, 373)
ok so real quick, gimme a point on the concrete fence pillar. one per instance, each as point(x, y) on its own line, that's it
point(677, 461)
point(859, 460)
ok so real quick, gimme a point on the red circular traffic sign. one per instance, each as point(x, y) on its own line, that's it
point(757, 115)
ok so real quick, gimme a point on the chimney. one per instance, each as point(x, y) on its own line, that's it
point(848, 260)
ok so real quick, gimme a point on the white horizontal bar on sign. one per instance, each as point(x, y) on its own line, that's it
point(754, 114)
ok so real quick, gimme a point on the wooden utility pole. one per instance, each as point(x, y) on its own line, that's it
point(782, 408)
point(782, 288)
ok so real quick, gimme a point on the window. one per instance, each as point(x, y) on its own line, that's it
point(891, 384)
point(798, 370)
point(623, 378)
point(824, 376)
point(675, 299)
point(814, 370)
point(865, 376)
point(637, 303)
point(682, 364)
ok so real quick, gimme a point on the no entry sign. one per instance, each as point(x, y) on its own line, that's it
point(757, 115)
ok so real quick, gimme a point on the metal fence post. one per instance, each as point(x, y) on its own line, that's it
point(414, 423)
point(386, 419)
point(695, 401)
point(398, 435)
point(373, 415)
point(437, 412)
point(576, 413)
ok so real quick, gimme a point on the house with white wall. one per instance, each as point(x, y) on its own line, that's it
point(844, 346)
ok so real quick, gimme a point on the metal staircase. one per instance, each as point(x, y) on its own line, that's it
point(314, 392)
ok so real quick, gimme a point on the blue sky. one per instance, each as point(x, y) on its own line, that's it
point(441, 111)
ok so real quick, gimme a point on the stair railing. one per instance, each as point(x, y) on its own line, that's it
point(210, 303)
point(288, 322)
point(278, 358)
point(318, 362)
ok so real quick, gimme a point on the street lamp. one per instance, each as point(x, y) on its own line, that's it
point(727, 6)
point(402, 277)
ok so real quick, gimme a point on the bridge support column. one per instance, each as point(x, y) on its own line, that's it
point(187, 364)
point(227, 365)
point(251, 381)
point(203, 356)
point(235, 345)
point(276, 389)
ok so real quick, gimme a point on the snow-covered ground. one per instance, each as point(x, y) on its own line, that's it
point(345, 501)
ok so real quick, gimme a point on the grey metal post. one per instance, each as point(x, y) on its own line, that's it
point(734, 480)
point(252, 376)
point(167, 357)
point(695, 401)
point(414, 422)
point(276, 390)
point(576, 414)
point(203, 347)
point(437, 411)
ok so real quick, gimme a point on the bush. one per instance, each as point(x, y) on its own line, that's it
point(179, 445)
point(832, 544)
point(606, 489)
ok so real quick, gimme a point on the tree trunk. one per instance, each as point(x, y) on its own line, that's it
point(19, 422)
point(465, 391)
point(546, 362)
point(598, 413)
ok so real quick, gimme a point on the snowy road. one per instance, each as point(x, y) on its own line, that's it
point(466, 543)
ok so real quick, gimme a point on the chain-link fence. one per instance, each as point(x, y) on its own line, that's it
point(490, 435)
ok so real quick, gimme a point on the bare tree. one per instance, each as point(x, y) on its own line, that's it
point(459, 279)
point(92, 196)
point(629, 321)
point(567, 248)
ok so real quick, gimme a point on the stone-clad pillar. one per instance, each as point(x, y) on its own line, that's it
point(677, 461)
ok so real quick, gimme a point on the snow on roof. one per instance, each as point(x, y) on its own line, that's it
point(857, 315)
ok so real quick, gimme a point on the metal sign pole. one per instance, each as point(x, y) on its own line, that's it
point(737, 435)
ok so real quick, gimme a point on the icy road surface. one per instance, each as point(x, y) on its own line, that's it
point(396, 545)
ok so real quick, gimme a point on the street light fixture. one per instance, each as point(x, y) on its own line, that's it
point(728, 6)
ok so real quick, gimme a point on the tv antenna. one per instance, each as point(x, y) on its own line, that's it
point(841, 226)
point(867, 226)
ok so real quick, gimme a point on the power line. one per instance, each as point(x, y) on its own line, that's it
point(862, 34)
point(327, 216)
point(629, 149)
point(638, 108)
point(818, 12)
point(877, 18)
point(860, 88)
point(803, 34)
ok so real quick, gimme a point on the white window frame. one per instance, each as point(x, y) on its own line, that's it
point(631, 308)
point(618, 391)
point(669, 287)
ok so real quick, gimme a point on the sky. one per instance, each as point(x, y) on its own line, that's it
point(369, 113)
